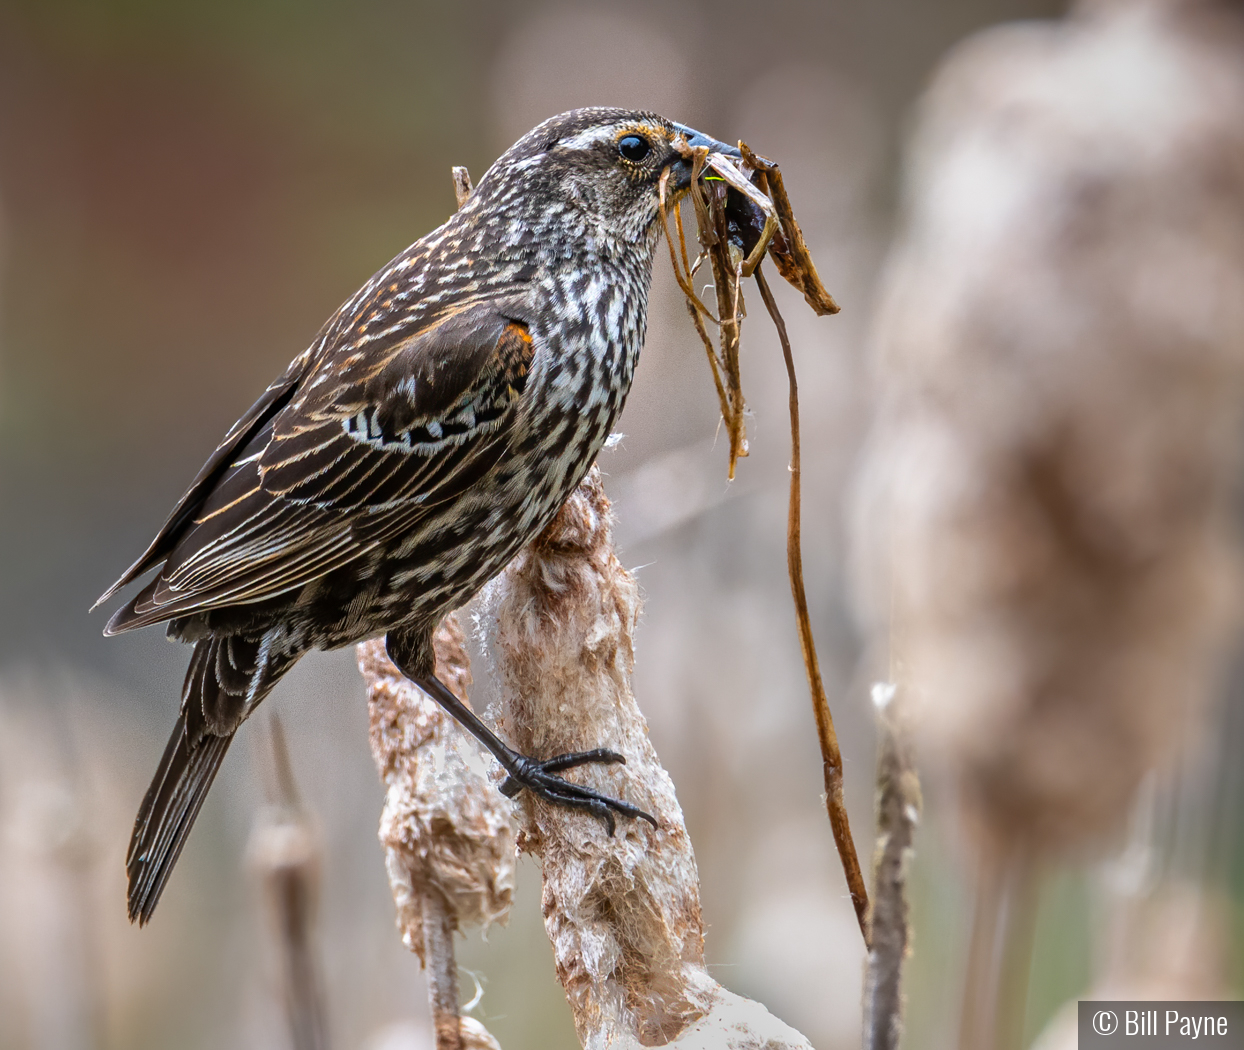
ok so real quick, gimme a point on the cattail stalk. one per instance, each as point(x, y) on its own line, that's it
point(447, 831)
point(622, 911)
point(898, 814)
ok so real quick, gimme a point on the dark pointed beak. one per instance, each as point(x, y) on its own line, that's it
point(681, 177)
point(696, 139)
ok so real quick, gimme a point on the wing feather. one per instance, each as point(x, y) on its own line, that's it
point(341, 467)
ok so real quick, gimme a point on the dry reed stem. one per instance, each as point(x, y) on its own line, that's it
point(622, 911)
point(715, 246)
point(711, 218)
point(780, 236)
point(285, 853)
point(827, 736)
point(439, 924)
point(898, 814)
point(448, 833)
point(683, 276)
point(788, 249)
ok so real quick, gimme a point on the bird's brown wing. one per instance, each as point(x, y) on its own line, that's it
point(367, 442)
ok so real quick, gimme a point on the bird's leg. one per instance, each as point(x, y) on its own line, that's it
point(531, 773)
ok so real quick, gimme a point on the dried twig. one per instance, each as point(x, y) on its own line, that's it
point(741, 213)
point(439, 925)
point(726, 283)
point(788, 250)
point(831, 755)
point(898, 812)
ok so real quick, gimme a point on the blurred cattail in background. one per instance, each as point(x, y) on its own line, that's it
point(1045, 513)
point(286, 854)
point(49, 860)
point(70, 975)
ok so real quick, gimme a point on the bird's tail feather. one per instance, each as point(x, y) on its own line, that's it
point(167, 814)
point(227, 677)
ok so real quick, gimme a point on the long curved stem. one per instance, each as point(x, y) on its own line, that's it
point(831, 755)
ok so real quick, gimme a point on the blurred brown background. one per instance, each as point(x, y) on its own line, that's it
point(186, 192)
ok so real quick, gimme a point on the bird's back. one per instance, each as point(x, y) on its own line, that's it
point(436, 424)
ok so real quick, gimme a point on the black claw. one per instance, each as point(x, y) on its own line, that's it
point(580, 758)
point(598, 809)
point(539, 778)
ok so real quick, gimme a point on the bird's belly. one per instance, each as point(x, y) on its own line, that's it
point(452, 552)
point(574, 395)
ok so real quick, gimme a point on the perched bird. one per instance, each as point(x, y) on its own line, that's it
point(435, 426)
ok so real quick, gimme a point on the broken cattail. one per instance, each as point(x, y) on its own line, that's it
point(462, 185)
point(447, 831)
point(622, 911)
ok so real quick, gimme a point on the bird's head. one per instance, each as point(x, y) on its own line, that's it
point(603, 164)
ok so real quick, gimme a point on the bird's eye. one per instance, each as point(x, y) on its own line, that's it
point(634, 147)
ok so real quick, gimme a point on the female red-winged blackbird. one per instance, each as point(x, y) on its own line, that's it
point(435, 426)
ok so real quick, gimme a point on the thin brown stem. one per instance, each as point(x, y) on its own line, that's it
point(438, 953)
point(789, 251)
point(831, 755)
point(684, 281)
point(682, 244)
point(713, 234)
point(694, 307)
point(713, 363)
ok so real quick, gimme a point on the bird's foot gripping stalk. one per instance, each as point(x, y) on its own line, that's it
point(533, 774)
point(538, 777)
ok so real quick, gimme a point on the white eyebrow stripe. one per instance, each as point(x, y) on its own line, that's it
point(589, 138)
